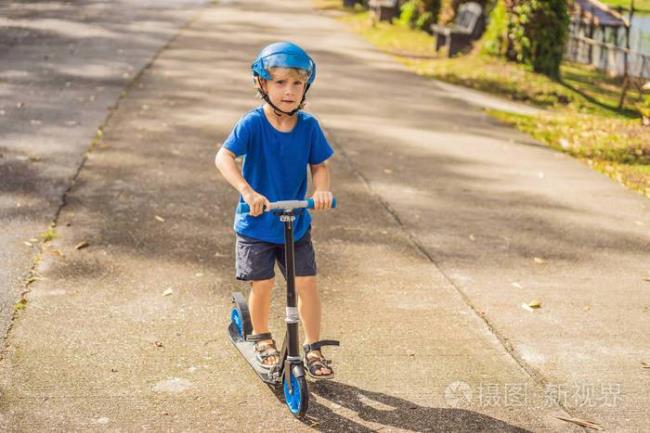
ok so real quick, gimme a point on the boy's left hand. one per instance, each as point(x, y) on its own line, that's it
point(322, 199)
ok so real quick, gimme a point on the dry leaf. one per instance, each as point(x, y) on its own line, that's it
point(535, 304)
point(388, 171)
point(646, 279)
point(168, 292)
point(81, 245)
point(645, 365)
point(158, 344)
point(517, 285)
point(539, 260)
point(581, 422)
point(472, 237)
point(526, 307)
point(161, 219)
point(33, 240)
point(27, 243)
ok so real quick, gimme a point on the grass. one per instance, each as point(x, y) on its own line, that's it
point(49, 235)
point(582, 118)
point(639, 5)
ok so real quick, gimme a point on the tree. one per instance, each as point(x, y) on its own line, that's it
point(532, 32)
point(420, 14)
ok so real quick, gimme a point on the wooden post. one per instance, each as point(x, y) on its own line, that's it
point(626, 78)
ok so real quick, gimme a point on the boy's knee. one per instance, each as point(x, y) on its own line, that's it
point(305, 284)
point(264, 285)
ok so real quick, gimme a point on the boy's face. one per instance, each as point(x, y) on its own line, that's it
point(285, 89)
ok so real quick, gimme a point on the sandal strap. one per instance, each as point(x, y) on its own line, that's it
point(259, 337)
point(317, 363)
point(318, 344)
point(267, 352)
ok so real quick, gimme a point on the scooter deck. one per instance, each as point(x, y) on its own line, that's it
point(247, 349)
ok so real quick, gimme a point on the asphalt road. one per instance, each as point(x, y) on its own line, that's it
point(447, 223)
point(63, 66)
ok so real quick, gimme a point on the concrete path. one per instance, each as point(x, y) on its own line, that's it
point(63, 66)
point(448, 222)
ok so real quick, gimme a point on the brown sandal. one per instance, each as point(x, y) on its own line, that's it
point(264, 349)
point(315, 363)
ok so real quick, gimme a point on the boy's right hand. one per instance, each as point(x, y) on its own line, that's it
point(256, 201)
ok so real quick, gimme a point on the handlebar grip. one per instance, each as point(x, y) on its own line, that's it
point(310, 203)
point(245, 208)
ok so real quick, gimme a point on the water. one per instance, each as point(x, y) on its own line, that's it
point(640, 34)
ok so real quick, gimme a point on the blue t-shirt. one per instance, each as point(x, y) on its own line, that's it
point(275, 165)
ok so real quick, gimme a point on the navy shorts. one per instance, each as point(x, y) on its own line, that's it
point(255, 259)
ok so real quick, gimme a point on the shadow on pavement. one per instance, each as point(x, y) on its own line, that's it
point(390, 411)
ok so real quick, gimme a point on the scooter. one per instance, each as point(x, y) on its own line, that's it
point(289, 371)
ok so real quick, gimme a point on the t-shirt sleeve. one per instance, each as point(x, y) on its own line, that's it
point(239, 138)
point(320, 148)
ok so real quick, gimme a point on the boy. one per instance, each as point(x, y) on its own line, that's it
point(278, 142)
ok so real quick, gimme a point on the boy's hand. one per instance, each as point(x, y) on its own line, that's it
point(256, 201)
point(322, 199)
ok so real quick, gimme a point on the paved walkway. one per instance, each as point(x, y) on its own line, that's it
point(63, 66)
point(447, 223)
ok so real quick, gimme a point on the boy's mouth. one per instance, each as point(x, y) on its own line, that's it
point(289, 101)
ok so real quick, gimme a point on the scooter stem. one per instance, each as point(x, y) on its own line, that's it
point(293, 351)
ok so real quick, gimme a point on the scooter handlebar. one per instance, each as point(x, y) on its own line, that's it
point(284, 205)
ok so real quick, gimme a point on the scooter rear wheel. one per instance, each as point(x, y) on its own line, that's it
point(297, 399)
point(240, 316)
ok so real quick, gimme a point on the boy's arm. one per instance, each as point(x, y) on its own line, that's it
point(225, 162)
point(320, 175)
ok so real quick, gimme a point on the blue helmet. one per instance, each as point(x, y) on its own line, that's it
point(283, 55)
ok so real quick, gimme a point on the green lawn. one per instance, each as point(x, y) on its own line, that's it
point(641, 5)
point(582, 119)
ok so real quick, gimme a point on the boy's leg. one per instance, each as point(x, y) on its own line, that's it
point(255, 262)
point(259, 305)
point(310, 314)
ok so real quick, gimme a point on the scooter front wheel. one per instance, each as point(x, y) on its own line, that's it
point(296, 397)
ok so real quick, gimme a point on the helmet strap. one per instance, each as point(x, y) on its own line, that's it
point(278, 112)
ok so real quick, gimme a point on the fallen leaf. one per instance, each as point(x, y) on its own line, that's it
point(539, 260)
point(646, 279)
point(161, 219)
point(34, 240)
point(587, 307)
point(158, 343)
point(526, 307)
point(517, 285)
point(27, 243)
point(81, 245)
point(535, 304)
point(388, 171)
point(168, 292)
point(472, 237)
point(581, 422)
point(645, 365)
